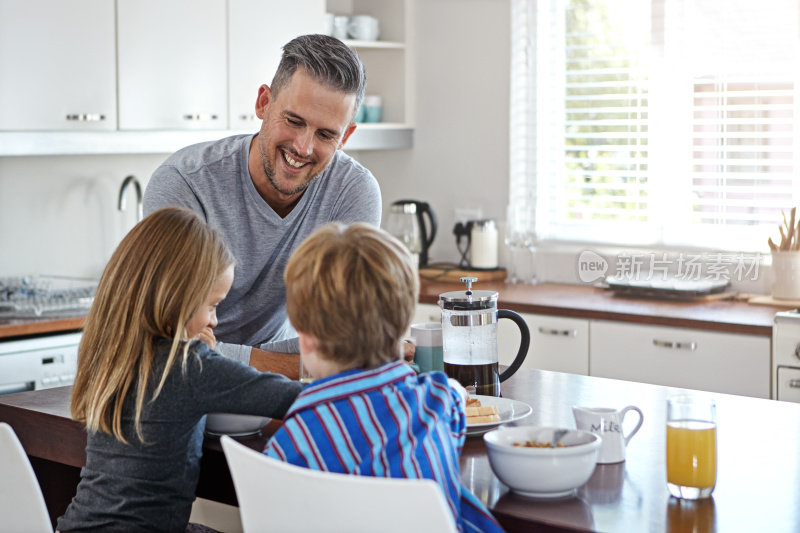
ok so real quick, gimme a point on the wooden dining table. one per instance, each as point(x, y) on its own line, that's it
point(758, 479)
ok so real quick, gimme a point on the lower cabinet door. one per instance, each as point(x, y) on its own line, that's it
point(678, 357)
point(788, 384)
point(558, 344)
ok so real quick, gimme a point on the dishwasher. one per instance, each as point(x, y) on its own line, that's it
point(40, 362)
point(49, 359)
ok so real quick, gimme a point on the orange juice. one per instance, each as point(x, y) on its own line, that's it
point(692, 453)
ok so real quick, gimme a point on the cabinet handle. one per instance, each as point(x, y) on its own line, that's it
point(87, 117)
point(558, 332)
point(691, 346)
point(251, 116)
point(794, 383)
point(200, 117)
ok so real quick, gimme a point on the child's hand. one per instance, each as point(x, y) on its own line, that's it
point(207, 336)
point(408, 351)
point(460, 388)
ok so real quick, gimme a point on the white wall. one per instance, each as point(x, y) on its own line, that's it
point(58, 214)
point(460, 153)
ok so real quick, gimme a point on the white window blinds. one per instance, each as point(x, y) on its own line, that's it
point(670, 122)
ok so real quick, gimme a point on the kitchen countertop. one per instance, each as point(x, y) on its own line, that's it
point(582, 301)
point(17, 327)
point(757, 483)
point(556, 299)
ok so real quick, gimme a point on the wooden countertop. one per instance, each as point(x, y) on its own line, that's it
point(758, 464)
point(17, 327)
point(578, 301)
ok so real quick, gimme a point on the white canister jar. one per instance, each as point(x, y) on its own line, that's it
point(786, 275)
point(483, 244)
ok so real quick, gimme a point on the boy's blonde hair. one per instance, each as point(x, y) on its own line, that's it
point(354, 288)
point(156, 279)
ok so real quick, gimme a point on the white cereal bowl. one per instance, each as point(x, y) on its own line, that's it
point(542, 472)
point(236, 425)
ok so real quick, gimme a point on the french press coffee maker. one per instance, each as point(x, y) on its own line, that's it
point(469, 339)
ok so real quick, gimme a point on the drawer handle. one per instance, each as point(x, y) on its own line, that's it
point(203, 117)
point(794, 383)
point(251, 116)
point(691, 346)
point(86, 117)
point(558, 332)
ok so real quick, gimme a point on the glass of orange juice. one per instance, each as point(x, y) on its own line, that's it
point(691, 446)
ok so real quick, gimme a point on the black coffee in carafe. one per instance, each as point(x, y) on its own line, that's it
point(483, 379)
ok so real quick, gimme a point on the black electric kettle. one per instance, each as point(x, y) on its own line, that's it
point(406, 221)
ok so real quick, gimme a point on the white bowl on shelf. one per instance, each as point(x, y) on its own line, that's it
point(542, 472)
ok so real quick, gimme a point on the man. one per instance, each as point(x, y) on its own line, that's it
point(267, 192)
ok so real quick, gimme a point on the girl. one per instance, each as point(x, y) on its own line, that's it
point(147, 377)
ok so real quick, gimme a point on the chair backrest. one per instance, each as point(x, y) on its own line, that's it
point(277, 496)
point(22, 507)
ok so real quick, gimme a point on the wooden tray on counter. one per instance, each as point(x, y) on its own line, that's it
point(451, 272)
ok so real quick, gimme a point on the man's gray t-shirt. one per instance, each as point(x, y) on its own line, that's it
point(213, 179)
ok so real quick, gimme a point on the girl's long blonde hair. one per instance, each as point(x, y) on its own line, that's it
point(158, 276)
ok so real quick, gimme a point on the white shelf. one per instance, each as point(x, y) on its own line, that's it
point(375, 44)
point(381, 136)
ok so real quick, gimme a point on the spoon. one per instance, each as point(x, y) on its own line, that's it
point(557, 436)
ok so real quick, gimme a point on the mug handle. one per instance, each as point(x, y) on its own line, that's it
point(638, 424)
point(524, 341)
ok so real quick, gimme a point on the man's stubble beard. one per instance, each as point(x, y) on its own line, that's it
point(269, 170)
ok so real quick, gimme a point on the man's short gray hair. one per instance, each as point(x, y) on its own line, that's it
point(327, 60)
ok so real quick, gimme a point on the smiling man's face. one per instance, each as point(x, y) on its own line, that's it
point(302, 127)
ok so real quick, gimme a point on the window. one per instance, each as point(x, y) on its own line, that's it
point(655, 123)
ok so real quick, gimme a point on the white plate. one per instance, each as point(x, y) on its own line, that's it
point(508, 410)
point(235, 425)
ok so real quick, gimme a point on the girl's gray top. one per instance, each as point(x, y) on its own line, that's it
point(151, 486)
point(213, 179)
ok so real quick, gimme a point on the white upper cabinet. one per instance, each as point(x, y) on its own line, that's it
point(151, 76)
point(57, 65)
point(172, 64)
point(258, 29)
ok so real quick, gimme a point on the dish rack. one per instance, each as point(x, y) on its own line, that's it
point(45, 296)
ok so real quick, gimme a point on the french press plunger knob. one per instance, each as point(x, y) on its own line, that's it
point(469, 281)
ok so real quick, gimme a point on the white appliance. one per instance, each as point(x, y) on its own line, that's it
point(40, 362)
point(786, 356)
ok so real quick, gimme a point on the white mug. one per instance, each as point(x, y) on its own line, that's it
point(607, 423)
point(340, 23)
point(363, 28)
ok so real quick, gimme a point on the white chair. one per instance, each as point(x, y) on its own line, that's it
point(277, 496)
point(22, 507)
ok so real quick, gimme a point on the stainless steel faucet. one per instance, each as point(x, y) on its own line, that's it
point(122, 196)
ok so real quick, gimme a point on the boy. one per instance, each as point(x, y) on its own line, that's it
point(350, 293)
